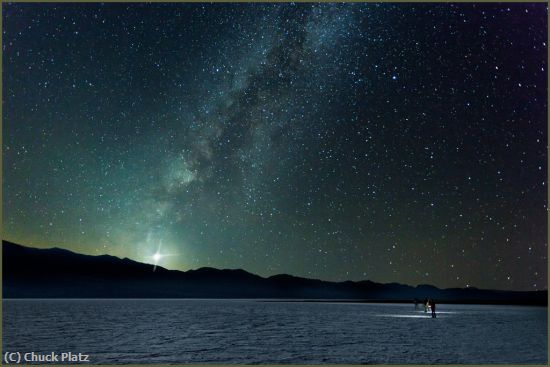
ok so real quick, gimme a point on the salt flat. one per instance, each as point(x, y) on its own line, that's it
point(247, 331)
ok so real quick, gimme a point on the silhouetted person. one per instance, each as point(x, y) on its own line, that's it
point(415, 304)
point(432, 306)
point(425, 305)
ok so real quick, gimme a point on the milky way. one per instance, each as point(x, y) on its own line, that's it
point(390, 142)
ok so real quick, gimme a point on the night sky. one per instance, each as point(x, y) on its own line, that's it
point(391, 142)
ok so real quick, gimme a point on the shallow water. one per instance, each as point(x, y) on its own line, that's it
point(252, 332)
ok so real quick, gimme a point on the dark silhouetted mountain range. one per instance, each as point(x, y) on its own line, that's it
point(57, 273)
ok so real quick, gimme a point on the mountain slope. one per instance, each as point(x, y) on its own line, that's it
point(56, 273)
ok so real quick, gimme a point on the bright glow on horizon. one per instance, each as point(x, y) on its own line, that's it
point(158, 256)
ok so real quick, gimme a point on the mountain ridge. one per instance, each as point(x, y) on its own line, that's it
point(59, 273)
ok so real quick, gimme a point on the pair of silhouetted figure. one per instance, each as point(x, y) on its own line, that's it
point(428, 303)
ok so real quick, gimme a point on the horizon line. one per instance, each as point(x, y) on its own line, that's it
point(270, 276)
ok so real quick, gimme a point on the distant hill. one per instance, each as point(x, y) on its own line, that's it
point(57, 273)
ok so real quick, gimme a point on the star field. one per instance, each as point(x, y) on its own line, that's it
point(391, 142)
